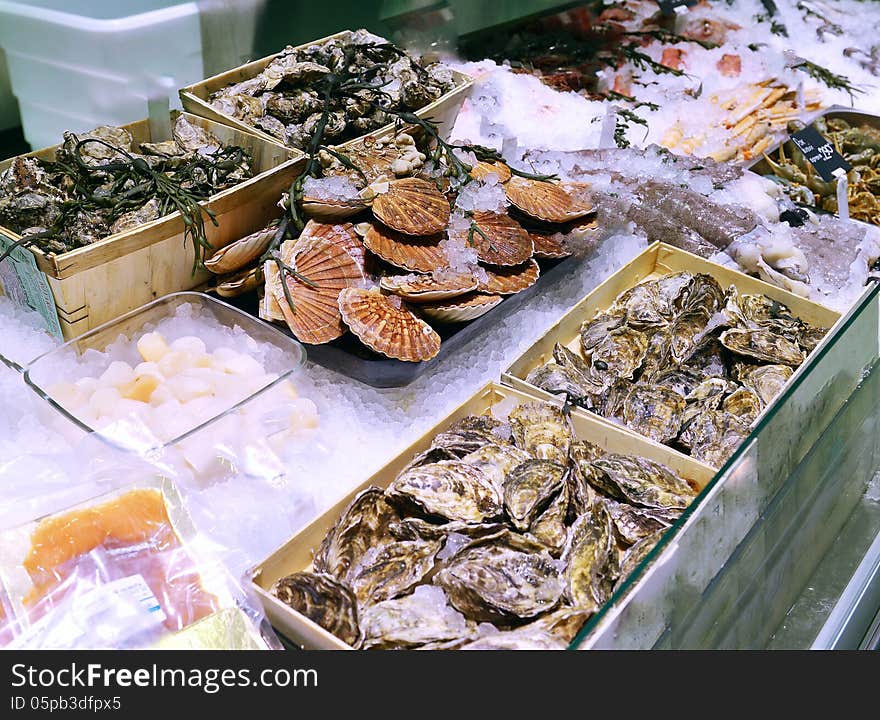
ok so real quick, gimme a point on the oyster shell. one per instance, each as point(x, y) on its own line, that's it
point(658, 355)
point(412, 206)
point(654, 303)
point(681, 380)
point(413, 528)
point(742, 404)
point(322, 600)
point(766, 381)
point(547, 201)
point(469, 434)
point(528, 489)
point(524, 638)
point(709, 359)
point(640, 481)
point(428, 288)
point(240, 253)
point(591, 559)
point(510, 280)
point(631, 523)
point(620, 353)
point(594, 382)
point(594, 331)
point(715, 435)
point(810, 337)
point(387, 327)
point(391, 570)
point(494, 581)
point(762, 345)
point(416, 254)
point(460, 309)
point(362, 525)
point(417, 619)
point(654, 411)
point(549, 527)
point(705, 293)
point(580, 492)
point(192, 138)
point(559, 380)
point(451, 489)
point(638, 552)
point(499, 239)
point(542, 430)
point(496, 461)
point(482, 169)
point(686, 332)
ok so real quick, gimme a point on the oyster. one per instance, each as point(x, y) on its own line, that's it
point(680, 380)
point(549, 527)
point(560, 380)
point(591, 559)
point(580, 492)
point(657, 356)
point(640, 481)
point(420, 618)
point(413, 528)
point(528, 489)
point(494, 581)
point(762, 345)
point(708, 358)
point(524, 638)
point(323, 601)
point(469, 434)
point(653, 303)
point(390, 570)
point(704, 292)
point(362, 525)
point(431, 455)
point(631, 523)
point(620, 353)
point(597, 329)
point(766, 381)
point(496, 461)
point(542, 430)
point(451, 489)
point(654, 411)
point(686, 332)
point(742, 404)
point(715, 436)
point(639, 552)
point(810, 337)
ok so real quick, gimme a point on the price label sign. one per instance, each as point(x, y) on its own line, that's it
point(23, 283)
point(671, 7)
point(820, 153)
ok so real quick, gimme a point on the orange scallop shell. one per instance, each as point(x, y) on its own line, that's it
point(315, 317)
point(462, 309)
point(412, 206)
point(510, 280)
point(427, 288)
point(341, 234)
point(547, 201)
point(483, 169)
point(507, 243)
point(549, 246)
point(382, 323)
point(417, 254)
point(332, 210)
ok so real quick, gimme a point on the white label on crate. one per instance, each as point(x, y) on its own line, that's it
point(95, 618)
point(23, 283)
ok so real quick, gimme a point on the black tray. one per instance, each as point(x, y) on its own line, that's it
point(349, 357)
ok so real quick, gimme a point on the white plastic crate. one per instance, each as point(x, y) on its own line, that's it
point(76, 64)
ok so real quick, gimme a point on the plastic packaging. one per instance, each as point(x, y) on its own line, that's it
point(124, 570)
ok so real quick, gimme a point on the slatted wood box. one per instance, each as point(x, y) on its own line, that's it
point(123, 271)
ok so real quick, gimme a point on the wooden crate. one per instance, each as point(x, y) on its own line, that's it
point(194, 98)
point(657, 260)
point(123, 271)
point(296, 554)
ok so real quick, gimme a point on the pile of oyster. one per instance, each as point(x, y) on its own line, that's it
point(88, 193)
point(502, 535)
point(683, 362)
point(286, 100)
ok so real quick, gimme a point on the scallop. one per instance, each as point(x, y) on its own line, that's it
point(412, 206)
point(547, 201)
point(510, 280)
point(499, 239)
point(416, 254)
point(461, 309)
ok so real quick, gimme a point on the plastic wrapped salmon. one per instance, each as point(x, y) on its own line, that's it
point(124, 570)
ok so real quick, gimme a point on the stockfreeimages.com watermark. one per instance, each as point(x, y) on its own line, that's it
point(210, 680)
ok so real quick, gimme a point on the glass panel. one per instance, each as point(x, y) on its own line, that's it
point(690, 590)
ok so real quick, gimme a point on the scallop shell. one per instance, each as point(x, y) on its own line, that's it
point(549, 247)
point(412, 206)
point(417, 254)
point(381, 323)
point(241, 253)
point(483, 169)
point(332, 210)
point(506, 243)
point(463, 309)
point(270, 308)
point(547, 201)
point(342, 234)
point(427, 288)
point(240, 283)
point(315, 317)
point(510, 280)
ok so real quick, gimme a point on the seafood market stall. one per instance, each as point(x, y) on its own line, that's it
point(565, 337)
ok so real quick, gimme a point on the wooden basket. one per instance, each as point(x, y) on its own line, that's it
point(194, 99)
point(123, 271)
point(296, 554)
point(657, 260)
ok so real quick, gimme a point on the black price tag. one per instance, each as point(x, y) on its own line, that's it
point(820, 153)
point(668, 7)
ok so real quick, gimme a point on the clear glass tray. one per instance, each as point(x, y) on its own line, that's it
point(284, 356)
